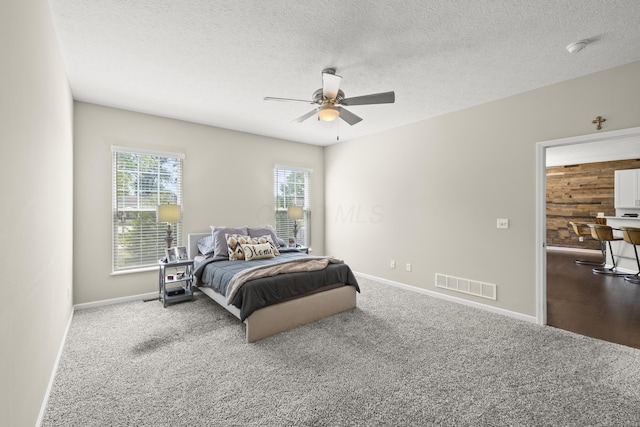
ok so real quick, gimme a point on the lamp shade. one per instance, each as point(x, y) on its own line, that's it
point(294, 212)
point(168, 213)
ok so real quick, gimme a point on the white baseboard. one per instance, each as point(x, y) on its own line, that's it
point(84, 306)
point(497, 310)
point(45, 401)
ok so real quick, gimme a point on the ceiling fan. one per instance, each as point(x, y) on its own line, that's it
point(330, 100)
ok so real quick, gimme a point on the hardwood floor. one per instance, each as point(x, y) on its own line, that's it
point(603, 307)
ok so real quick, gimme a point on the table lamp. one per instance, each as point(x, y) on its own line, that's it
point(169, 214)
point(295, 213)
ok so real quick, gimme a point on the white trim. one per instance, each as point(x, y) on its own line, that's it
point(462, 301)
point(541, 237)
point(54, 371)
point(84, 306)
point(135, 270)
point(115, 149)
point(541, 202)
point(591, 137)
point(119, 148)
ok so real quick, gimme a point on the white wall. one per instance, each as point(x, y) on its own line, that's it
point(37, 201)
point(228, 180)
point(429, 193)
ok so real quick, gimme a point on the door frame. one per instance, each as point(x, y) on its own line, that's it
point(541, 206)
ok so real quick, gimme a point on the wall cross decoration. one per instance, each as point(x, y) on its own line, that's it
point(598, 122)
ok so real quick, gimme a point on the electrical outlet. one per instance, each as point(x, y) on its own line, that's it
point(581, 239)
point(408, 267)
point(392, 264)
point(502, 223)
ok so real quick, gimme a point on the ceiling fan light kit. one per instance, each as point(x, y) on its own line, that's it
point(328, 113)
point(330, 100)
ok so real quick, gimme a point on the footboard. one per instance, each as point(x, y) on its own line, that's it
point(288, 315)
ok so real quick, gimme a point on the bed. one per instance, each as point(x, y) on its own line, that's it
point(310, 296)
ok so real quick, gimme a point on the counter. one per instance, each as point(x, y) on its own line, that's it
point(623, 251)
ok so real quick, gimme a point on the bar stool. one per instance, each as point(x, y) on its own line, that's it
point(582, 229)
point(631, 235)
point(604, 233)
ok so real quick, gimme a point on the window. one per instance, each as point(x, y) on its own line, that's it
point(291, 187)
point(141, 181)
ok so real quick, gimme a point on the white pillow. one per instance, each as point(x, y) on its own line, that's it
point(265, 239)
point(260, 251)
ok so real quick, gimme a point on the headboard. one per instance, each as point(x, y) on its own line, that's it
point(192, 242)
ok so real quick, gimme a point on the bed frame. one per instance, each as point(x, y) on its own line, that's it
point(286, 315)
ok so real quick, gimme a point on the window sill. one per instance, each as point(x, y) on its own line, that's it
point(134, 270)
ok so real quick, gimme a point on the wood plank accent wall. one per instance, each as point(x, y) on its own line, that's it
point(578, 193)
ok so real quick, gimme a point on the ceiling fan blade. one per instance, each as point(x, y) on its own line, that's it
point(349, 117)
point(375, 98)
point(330, 85)
point(304, 117)
point(271, 98)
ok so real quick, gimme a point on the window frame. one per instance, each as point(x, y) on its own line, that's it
point(138, 210)
point(283, 225)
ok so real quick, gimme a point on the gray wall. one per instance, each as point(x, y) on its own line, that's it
point(429, 193)
point(37, 207)
point(228, 180)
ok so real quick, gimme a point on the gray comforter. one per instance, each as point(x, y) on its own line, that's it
point(255, 294)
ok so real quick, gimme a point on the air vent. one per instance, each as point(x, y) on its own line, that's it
point(466, 286)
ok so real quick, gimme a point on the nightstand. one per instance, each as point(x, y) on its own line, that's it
point(173, 287)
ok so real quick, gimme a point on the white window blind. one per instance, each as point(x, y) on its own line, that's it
point(291, 187)
point(142, 181)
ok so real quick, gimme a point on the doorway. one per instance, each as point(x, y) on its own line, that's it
point(610, 139)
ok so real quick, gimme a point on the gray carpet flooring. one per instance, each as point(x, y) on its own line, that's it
point(399, 359)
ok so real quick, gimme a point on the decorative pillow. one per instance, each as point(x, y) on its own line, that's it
point(266, 239)
point(260, 251)
point(234, 245)
point(205, 245)
point(261, 231)
point(220, 239)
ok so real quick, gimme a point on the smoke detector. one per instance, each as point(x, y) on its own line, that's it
point(577, 46)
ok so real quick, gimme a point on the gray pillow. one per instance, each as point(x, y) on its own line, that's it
point(205, 245)
point(220, 240)
point(262, 231)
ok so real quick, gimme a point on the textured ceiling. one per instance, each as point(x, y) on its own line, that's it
point(213, 61)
